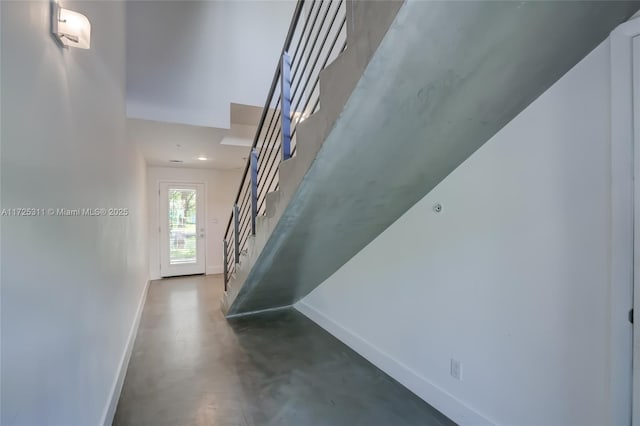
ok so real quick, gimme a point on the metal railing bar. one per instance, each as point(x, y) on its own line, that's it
point(236, 230)
point(244, 201)
point(274, 82)
point(241, 238)
point(225, 261)
point(311, 36)
point(243, 224)
point(268, 140)
point(294, 71)
point(254, 190)
point(245, 191)
point(324, 64)
point(329, 54)
point(313, 24)
point(268, 156)
point(244, 238)
point(269, 137)
point(271, 164)
point(304, 29)
point(261, 204)
point(268, 186)
point(326, 60)
point(243, 218)
point(285, 114)
point(268, 172)
point(311, 51)
point(273, 116)
point(273, 146)
point(313, 110)
point(229, 223)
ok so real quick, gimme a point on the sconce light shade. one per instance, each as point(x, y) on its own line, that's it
point(70, 28)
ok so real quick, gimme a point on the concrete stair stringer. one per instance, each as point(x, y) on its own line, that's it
point(445, 79)
point(367, 23)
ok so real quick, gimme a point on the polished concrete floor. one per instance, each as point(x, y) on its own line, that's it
point(190, 366)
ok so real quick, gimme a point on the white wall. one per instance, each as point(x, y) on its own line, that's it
point(71, 286)
point(221, 191)
point(511, 278)
point(221, 52)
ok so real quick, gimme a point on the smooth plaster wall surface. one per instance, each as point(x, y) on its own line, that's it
point(220, 52)
point(71, 286)
point(221, 187)
point(511, 278)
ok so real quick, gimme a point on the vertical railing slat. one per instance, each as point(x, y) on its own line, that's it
point(254, 190)
point(225, 248)
point(285, 86)
point(304, 53)
point(236, 232)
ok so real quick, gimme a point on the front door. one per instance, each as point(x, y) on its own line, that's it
point(182, 233)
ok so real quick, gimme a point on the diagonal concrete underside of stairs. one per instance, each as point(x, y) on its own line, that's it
point(446, 77)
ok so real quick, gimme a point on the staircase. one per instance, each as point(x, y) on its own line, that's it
point(415, 90)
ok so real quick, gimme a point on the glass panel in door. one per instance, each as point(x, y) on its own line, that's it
point(182, 226)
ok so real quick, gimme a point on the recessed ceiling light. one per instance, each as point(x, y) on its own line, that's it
point(175, 161)
point(203, 158)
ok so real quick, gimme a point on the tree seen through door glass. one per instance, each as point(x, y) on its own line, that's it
point(182, 226)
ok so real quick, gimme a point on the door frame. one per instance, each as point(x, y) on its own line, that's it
point(158, 215)
point(625, 229)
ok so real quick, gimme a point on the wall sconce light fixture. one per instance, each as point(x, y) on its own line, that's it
point(70, 28)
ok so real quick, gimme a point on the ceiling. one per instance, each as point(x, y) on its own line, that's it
point(198, 73)
point(187, 61)
point(225, 149)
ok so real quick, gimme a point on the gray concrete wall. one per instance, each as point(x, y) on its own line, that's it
point(367, 23)
point(446, 77)
point(512, 278)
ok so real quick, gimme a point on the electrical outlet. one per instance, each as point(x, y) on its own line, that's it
point(456, 369)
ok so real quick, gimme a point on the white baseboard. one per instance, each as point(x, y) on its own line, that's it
point(259, 311)
point(215, 269)
point(116, 388)
point(412, 380)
